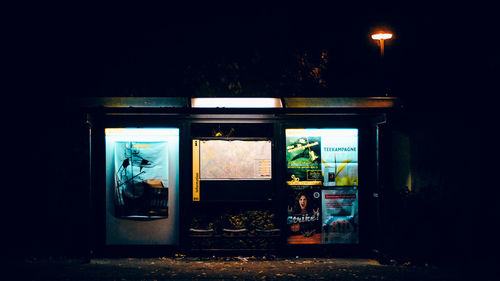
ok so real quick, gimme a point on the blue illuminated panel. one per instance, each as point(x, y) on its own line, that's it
point(142, 185)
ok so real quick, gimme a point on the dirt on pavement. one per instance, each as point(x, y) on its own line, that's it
point(227, 268)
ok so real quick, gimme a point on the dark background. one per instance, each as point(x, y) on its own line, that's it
point(443, 64)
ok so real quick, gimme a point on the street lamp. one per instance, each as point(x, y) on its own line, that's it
point(381, 36)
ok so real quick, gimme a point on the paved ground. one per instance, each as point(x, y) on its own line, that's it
point(234, 268)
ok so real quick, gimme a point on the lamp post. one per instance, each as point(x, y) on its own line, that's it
point(381, 37)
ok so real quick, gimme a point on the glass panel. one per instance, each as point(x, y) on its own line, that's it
point(235, 159)
point(322, 176)
point(142, 170)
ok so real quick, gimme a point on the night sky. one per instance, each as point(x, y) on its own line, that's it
point(438, 51)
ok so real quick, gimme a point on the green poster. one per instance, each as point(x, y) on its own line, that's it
point(303, 158)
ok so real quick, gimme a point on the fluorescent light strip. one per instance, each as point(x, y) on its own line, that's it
point(335, 132)
point(236, 103)
point(135, 132)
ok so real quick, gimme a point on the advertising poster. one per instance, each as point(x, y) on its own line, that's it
point(322, 175)
point(303, 157)
point(141, 178)
point(142, 186)
point(304, 216)
point(327, 157)
point(339, 157)
point(340, 216)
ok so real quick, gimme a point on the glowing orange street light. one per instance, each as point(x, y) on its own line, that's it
point(381, 36)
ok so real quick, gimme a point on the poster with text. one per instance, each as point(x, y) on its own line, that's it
point(141, 178)
point(340, 216)
point(327, 157)
point(339, 157)
point(303, 158)
point(304, 216)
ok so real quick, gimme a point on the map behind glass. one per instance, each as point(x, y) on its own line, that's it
point(235, 159)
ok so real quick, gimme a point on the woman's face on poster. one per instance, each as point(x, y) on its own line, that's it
point(303, 202)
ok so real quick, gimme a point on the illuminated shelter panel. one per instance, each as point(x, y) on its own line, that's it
point(324, 157)
point(142, 186)
point(322, 180)
point(235, 160)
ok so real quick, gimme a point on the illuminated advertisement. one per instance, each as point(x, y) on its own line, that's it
point(141, 178)
point(304, 217)
point(142, 186)
point(327, 157)
point(322, 176)
point(303, 158)
point(339, 157)
point(340, 216)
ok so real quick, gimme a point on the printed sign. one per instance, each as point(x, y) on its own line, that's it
point(234, 159)
point(304, 217)
point(340, 216)
point(196, 170)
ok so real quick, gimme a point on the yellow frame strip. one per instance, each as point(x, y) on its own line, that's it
point(196, 170)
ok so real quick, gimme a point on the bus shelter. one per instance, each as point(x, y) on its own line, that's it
point(286, 175)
